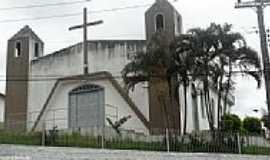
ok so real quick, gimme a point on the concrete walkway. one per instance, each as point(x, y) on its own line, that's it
point(7, 152)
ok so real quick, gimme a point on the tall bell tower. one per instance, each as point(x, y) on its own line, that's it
point(163, 17)
point(23, 47)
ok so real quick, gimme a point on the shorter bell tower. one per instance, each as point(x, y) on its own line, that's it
point(23, 47)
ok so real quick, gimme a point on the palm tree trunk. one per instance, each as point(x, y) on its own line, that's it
point(174, 110)
point(220, 89)
point(207, 104)
point(207, 97)
point(227, 86)
point(185, 112)
point(219, 106)
point(162, 101)
point(210, 110)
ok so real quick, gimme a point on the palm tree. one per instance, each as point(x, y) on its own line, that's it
point(231, 49)
point(156, 67)
point(246, 62)
point(202, 42)
point(184, 62)
point(215, 53)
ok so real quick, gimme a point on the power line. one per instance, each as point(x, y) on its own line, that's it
point(69, 14)
point(44, 5)
point(121, 8)
point(73, 14)
point(40, 18)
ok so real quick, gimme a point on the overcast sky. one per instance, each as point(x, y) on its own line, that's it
point(129, 24)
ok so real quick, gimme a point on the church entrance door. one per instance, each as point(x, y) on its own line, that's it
point(86, 107)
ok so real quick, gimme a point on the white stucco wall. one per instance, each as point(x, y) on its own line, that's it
point(57, 111)
point(2, 108)
point(110, 56)
point(203, 120)
point(43, 74)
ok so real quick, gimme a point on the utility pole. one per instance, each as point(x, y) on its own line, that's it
point(260, 5)
point(84, 26)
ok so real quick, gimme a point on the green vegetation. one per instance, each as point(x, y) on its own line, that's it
point(212, 55)
point(20, 138)
point(249, 126)
point(231, 123)
point(223, 143)
point(72, 140)
point(255, 150)
point(252, 125)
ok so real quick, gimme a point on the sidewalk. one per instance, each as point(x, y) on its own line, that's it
point(56, 153)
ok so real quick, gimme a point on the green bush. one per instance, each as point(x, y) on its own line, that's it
point(256, 150)
point(231, 123)
point(72, 140)
point(20, 138)
point(252, 125)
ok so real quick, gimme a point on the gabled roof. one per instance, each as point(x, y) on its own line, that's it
point(26, 31)
point(160, 3)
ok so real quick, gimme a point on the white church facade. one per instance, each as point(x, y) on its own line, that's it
point(51, 90)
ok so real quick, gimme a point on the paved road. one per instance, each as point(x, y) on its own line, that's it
point(7, 152)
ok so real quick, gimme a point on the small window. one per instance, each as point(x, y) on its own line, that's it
point(18, 49)
point(159, 22)
point(36, 50)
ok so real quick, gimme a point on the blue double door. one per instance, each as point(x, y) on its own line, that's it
point(86, 107)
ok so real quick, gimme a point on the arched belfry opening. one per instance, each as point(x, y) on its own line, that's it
point(160, 22)
point(86, 107)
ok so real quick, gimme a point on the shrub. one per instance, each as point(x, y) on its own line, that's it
point(252, 125)
point(231, 123)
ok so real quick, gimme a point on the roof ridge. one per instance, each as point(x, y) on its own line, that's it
point(80, 43)
point(25, 29)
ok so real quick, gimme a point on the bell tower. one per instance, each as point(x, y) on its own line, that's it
point(163, 17)
point(23, 47)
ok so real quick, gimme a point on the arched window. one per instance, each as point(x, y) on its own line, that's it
point(18, 48)
point(160, 22)
point(86, 107)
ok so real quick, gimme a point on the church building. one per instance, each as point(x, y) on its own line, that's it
point(51, 90)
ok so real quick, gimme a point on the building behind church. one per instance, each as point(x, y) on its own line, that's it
point(49, 90)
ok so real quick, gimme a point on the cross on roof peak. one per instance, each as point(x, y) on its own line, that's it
point(84, 26)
